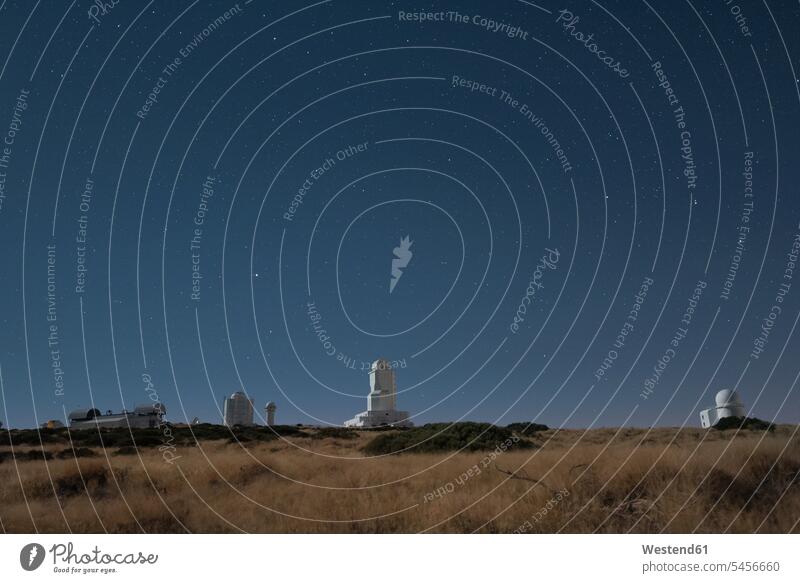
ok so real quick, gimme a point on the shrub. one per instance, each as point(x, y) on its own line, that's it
point(435, 437)
point(115, 437)
point(334, 432)
point(33, 455)
point(77, 452)
point(31, 436)
point(524, 428)
point(241, 433)
point(743, 423)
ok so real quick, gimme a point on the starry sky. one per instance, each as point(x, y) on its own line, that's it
point(601, 202)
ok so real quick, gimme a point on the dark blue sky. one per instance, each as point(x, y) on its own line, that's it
point(280, 151)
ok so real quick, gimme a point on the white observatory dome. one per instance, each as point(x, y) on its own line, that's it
point(727, 398)
point(728, 405)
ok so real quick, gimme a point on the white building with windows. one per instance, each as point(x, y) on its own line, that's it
point(237, 410)
point(150, 415)
point(382, 400)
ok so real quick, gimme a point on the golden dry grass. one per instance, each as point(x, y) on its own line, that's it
point(598, 481)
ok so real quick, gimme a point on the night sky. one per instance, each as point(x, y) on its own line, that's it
point(601, 203)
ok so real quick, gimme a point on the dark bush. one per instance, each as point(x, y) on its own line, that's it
point(382, 428)
point(284, 430)
point(524, 428)
point(202, 432)
point(31, 436)
point(743, 423)
point(242, 433)
point(33, 455)
point(77, 452)
point(117, 437)
point(334, 432)
point(436, 437)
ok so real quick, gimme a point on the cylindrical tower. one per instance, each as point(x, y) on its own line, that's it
point(270, 408)
point(729, 404)
point(383, 388)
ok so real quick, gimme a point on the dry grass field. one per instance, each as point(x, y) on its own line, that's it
point(604, 480)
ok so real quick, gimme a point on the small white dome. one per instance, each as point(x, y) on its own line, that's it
point(238, 395)
point(271, 405)
point(727, 397)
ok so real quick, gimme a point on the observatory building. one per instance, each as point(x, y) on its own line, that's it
point(237, 410)
point(150, 415)
point(728, 405)
point(270, 409)
point(382, 399)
